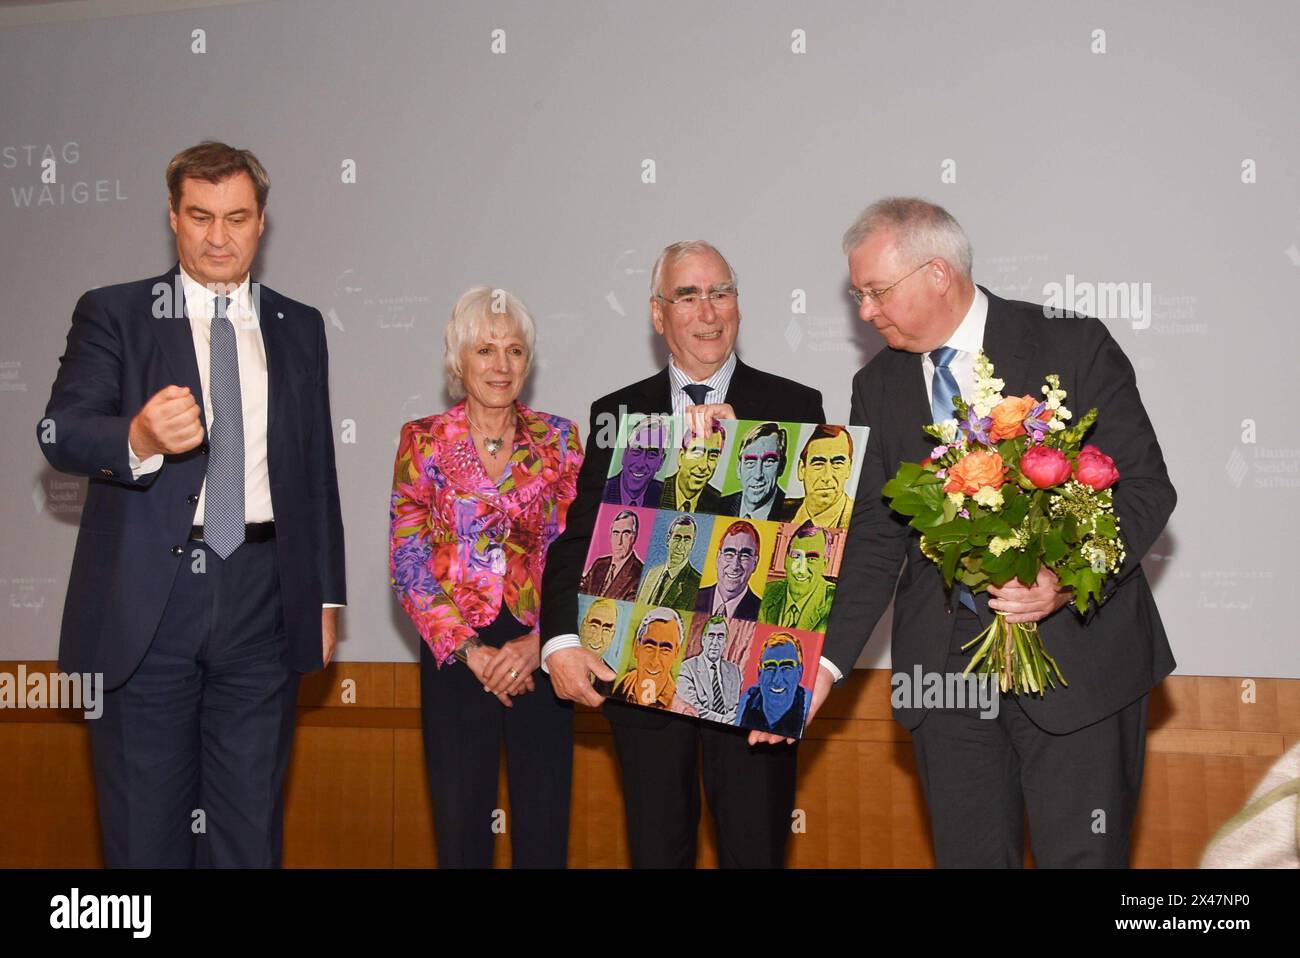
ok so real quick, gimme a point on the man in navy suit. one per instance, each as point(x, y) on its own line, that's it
point(209, 564)
point(1071, 761)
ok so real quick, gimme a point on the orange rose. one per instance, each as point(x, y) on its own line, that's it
point(1009, 417)
point(973, 472)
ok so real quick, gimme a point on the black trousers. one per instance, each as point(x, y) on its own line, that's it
point(191, 752)
point(750, 791)
point(981, 775)
point(464, 728)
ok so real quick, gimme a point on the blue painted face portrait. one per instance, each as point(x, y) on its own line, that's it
point(641, 460)
point(779, 675)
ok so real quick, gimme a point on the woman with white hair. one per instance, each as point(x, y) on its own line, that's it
point(479, 494)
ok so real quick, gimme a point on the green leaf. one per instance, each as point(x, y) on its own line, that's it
point(955, 531)
point(1014, 508)
point(1054, 546)
point(907, 503)
point(950, 556)
point(927, 518)
point(1027, 565)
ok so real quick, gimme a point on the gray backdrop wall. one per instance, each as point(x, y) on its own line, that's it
point(1079, 144)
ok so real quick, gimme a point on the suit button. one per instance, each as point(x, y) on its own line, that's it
point(192, 500)
point(178, 550)
point(203, 448)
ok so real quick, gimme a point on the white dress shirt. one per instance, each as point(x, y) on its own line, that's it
point(200, 304)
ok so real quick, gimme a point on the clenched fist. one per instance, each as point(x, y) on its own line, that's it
point(167, 423)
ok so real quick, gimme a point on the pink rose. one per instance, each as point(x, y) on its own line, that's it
point(1095, 469)
point(1044, 466)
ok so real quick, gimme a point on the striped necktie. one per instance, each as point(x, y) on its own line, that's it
point(223, 509)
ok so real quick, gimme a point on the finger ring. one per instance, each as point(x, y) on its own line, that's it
point(514, 674)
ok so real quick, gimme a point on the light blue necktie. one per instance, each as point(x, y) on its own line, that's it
point(223, 508)
point(942, 392)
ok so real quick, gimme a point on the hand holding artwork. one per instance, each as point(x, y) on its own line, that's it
point(569, 670)
point(821, 689)
point(699, 419)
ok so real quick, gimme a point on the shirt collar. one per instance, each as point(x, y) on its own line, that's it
point(969, 335)
point(199, 299)
point(716, 381)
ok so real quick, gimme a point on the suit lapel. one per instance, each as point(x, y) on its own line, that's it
point(1009, 342)
point(274, 346)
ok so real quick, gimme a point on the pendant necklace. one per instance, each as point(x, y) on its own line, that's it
point(492, 444)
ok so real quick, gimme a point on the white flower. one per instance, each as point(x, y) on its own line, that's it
point(948, 430)
point(957, 498)
point(988, 497)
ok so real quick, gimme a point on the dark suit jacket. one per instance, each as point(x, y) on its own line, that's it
point(731, 505)
point(710, 500)
point(1111, 657)
point(624, 584)
point(747, 608)
point(134, 534)
point(752, 393)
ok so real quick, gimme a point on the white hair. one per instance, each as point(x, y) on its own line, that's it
point(478, 313)
point(671, 254)
point(660, 614)
point(923, 231)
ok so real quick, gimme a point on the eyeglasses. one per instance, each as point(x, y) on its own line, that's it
point(722, 298)
point(876, 295)
point(731, 555)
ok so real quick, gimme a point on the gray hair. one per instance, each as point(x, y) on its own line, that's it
point(627, 514)
point(923, 231)
point(671, 254)
point(476, 313)
point(683, 520)
point(660, 614)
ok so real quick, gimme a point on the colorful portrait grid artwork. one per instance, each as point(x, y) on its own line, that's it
point(713, 565)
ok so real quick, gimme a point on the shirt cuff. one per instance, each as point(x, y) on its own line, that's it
point(138, 468)
point(569, 641)
point(829, 666)
point(332, 605)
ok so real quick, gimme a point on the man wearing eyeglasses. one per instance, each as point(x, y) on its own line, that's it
point(1071, 759)
point(731, 596)
point(694, 307)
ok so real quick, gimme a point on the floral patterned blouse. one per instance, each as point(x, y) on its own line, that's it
point(460, 543)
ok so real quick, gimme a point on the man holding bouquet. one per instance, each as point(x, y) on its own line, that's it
point(1072, 756)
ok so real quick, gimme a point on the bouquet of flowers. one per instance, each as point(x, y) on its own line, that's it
point(1008, 490)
